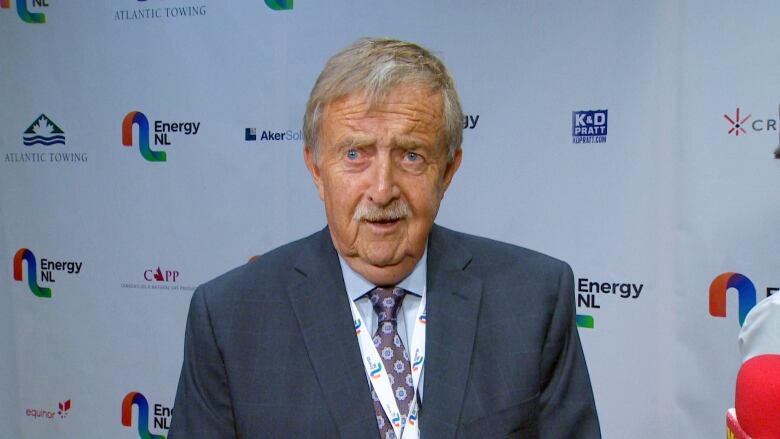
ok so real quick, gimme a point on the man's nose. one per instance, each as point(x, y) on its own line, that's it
point(383, 189)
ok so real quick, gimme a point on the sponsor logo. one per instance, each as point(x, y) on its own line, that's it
point(63, 408)
point(590, 292)
point(48, 268)
point(279, 5)
point(358, 326)
point(162, 415)
point(423, 318)
point(162, 130)
point(744, 287)
point(395, 419)
point(38, 138)
point(589, 126)
point(25, 14)
point(250, 135)
point(155, 9)
point(43, 132)
point(157, 278)
point(418, 360)
point(412, 419)
point(740, 124)
point(470, 121)
point(374, 369)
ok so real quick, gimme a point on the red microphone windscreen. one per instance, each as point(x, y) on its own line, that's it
point(758, 397)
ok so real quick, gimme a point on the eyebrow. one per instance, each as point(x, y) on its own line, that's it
point(402, 141)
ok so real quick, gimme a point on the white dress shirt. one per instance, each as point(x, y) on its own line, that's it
point(357, 286)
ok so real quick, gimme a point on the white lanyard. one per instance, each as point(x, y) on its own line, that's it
point(377, 376)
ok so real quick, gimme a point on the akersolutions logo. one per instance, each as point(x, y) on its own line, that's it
point(250, 135)
point(279, 5)
point(592, 294)
point(589, 126)
point(163, 133)
point(43, 142)
point(49, 268)
point(158, 9)
point(161, 415)
point(27, 15)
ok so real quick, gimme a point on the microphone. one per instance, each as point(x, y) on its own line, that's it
point(757, 399)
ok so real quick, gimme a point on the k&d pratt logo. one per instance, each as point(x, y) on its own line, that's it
point(162, 130)
point(589, 126)
point(24, 12)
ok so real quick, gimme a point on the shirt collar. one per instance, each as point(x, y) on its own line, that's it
point(357, 285)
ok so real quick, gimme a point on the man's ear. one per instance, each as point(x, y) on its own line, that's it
point(311, 164)
point(450, 170)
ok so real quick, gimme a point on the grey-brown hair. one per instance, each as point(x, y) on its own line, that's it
point(374, 66)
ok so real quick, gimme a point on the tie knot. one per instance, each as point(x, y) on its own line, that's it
point(386, 302)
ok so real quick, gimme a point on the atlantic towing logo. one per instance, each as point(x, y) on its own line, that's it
point(154, 9)
point(43, 142)
point(162, 130)
point(589, 126)
point(48, 269)
point(43, 132)
point(162, 415)
point(25, 14)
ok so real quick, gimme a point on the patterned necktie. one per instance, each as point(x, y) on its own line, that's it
point(387, 302)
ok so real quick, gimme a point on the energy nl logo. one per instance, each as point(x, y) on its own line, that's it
point(138, 118)
point(279, 5)
point(745, 288)
point(26, 255)
point(25, 14)
point(138, 399)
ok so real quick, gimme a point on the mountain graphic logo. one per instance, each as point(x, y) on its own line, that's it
point(43, 132)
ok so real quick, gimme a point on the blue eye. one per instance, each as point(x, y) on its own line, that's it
point(412, 156)
point(352, 154)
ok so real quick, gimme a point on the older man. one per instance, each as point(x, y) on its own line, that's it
point(384, 324)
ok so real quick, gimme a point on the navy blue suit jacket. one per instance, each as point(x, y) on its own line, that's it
point(270, 348)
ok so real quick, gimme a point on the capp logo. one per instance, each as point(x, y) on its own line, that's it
point(139, 400)
point(26, 255)
point(139, 119)
point(279, 5)
point(745, 288)
point(589, 126)
point(25, 14)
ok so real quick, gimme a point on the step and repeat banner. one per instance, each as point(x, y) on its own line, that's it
point(147, 146)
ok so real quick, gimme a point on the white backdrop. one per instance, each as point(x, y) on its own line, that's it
point(667, 203)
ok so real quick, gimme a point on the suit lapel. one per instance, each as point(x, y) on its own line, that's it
point(453, 298)
point(320, 303)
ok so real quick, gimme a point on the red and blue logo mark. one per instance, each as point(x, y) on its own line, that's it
point(138, 399)
point(744, 287)
point(24, 13)
point(139, 119)
point(375, 369)
point(26, 255)
point(423, 318)
point(412, 419)
point(358, 326)
point(418, 360)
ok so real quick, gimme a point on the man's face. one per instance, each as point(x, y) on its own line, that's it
point(382, 173)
